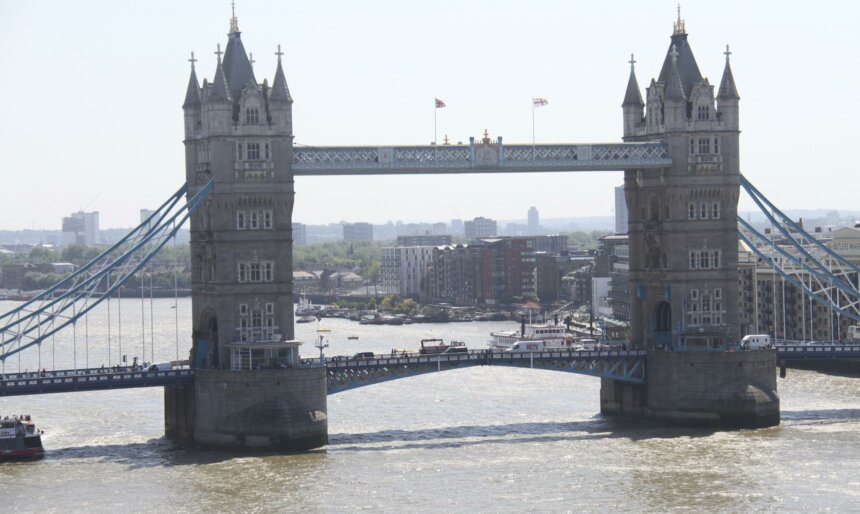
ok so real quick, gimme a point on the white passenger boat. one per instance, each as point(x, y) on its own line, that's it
point(550, 336)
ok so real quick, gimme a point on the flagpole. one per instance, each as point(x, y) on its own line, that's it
point(435, 141)
point(534, 150)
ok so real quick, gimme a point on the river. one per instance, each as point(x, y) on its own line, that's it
point(476, 439)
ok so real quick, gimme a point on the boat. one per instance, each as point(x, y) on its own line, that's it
point(306, 319)
point(306, 308)
point(434, 346)
point(551, 337)
point(19, 439)
point(352, 338)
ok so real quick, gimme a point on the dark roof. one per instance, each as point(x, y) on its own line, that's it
point(220, 91)
point(632, 96)
point(688, 70)
point(192, 95)
point(728, 90)
point(674, 82)
point(237, 67)
point(280, 91)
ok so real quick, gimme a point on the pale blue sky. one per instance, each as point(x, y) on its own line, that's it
point(92, 93)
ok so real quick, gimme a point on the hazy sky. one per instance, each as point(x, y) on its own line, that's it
point(92, 93)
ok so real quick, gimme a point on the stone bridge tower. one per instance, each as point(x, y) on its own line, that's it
point(239, 133)
point(250, 388)
point(682, 220)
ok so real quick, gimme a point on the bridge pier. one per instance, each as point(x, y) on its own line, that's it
point(262, 410)
point(711, 389)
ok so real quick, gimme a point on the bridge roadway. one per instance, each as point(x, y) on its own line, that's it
point(344, 373)
point(476, 157)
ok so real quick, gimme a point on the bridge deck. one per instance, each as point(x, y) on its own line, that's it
point(477, 158)
point(816, 351)
point(95, 379)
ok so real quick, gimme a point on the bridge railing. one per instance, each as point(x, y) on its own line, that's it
point(92, 381)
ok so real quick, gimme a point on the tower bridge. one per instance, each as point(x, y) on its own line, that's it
point(680, 159)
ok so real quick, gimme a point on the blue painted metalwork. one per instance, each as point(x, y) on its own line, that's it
point(791, 279)
point(477, 158)
point(817, 351)
point(89, 380)
point(822, 274)
point(69, 300)
point(348, 373)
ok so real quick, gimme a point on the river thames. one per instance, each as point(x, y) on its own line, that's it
point(476, 439)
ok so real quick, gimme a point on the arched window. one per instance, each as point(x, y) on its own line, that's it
point(252, 116)
point(703, 211)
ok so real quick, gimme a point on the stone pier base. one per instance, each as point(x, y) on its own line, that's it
point(264, 410)
point(713, 389)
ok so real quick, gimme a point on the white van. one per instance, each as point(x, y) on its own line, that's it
point(161, 366)
point(527, 346)
point(756, 342)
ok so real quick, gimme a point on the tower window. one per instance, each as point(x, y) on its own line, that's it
point(691, 211)
point(692, 146)
point(716, 145)
point(704, 145)
point(243, 309)
point(255, 220)
point(253, 151)
point(715, 210)
point(268, 151)
point(270, 309)
point(238, 151)
point(240, 221)
point(267, 220)
point(703, 211)
point(252, 116)
point(704, 112)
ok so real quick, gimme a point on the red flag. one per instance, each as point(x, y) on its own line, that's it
point(539, 102)
point(439, 103)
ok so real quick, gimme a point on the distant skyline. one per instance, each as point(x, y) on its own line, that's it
point(93, 118)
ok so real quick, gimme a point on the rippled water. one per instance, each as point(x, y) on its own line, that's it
point(488, 439)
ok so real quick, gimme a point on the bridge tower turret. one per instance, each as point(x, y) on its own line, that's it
point(682, 219)
point(250, 389)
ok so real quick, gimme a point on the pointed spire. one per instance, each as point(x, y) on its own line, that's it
point(674, 86)
point(220, 91)
point(192, 95)
point(280, 91)
point(234, 22)
point(633, 96)
point(678, 27)
point(728, 90)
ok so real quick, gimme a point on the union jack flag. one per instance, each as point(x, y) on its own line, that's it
point(439, 103)
point(539, 102)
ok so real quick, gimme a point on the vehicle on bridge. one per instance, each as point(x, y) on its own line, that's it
point(854, 334)
point(19, 439)
point(756, 342)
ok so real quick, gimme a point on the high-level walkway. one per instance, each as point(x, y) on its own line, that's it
point(487, 157)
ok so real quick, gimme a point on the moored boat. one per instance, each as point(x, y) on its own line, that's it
point(550, 336)
point(433, 346)
point(306, 319)
point(19, 439)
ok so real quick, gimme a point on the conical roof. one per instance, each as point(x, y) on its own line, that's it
point(728, 90)
point(192, 94)
point(237, 67)
point(688, 70)
point(280, 91)
point(633, 96)
point(220, 90)
point(674, 82)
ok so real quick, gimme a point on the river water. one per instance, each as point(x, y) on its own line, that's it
point(478, 439)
